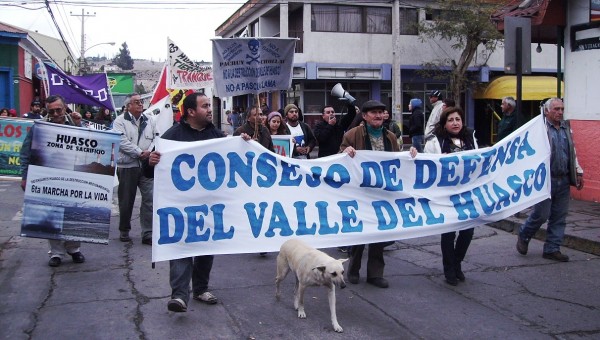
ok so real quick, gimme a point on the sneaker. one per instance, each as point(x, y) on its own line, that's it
point(54, 261)
point(556, 256)
point(206, 297)
point(460, 275)
point(78, 257)
point(378, 282)
point(177, 305)
point(124, 236)
point(522, 246)
point(453, 281)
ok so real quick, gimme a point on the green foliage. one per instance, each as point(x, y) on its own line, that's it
point(123, 59)
point(467, 26)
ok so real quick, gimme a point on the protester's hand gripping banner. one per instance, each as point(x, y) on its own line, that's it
point(69, 183)
point(227, 196)
point(183, 73)
point(90, 89)
point(252, 65)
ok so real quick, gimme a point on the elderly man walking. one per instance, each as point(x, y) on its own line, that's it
point(564, 171)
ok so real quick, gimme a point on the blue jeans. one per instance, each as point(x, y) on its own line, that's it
point(417, 142)
point(554, 210)
point(197, 269)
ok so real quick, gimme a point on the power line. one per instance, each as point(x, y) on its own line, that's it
point(58, 28)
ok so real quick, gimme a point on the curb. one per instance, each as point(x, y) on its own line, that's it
point(512, 225)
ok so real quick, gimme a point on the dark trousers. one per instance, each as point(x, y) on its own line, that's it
point(181, 271)
point(375, 262)
point(453, 254)
point(130, 179)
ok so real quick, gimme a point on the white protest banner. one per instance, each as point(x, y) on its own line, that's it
point(69, 183)
point(252, 65)
point(227, 196)
point(183, 73)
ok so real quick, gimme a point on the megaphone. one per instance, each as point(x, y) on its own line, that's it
point(338, 91)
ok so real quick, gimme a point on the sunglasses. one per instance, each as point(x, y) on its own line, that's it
point(53, 111)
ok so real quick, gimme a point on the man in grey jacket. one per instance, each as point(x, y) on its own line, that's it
point(564, 172)
point(137, 140)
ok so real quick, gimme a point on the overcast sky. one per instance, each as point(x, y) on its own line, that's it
point(144, 27)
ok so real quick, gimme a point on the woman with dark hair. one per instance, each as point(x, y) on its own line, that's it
point(451, 135)
point(276, 124)
point(4, 112)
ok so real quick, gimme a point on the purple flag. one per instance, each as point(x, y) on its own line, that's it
point(91, 89)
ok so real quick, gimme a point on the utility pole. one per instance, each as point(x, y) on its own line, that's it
point(82, 55)
point(396, 79)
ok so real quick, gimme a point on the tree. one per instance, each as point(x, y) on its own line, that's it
point(139, 88)
point(123, 58)
point(466, 25)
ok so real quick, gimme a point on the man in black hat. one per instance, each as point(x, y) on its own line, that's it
point(36, 109)
point(369, 136)
point(435, 98)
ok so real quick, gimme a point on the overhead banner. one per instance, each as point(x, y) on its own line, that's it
point(252, 65)
point(227, 196)
point(69, 183)
point(12, 135)
point(184, 73)
point(90, 89)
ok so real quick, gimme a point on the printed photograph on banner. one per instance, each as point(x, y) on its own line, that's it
point(73, 148)
point(66, 205)
point(68, 194)
point(11, 140)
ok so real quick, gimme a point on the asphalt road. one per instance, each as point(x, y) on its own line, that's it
point(116, 294)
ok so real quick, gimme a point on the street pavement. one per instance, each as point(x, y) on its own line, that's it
point(117, 294)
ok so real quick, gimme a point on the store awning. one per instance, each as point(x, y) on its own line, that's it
point(534, 88)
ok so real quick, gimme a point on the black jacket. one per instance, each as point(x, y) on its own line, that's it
point(415, 124)
point(330, 137)
point(183, 132)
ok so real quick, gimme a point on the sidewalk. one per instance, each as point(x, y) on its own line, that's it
point(583, 226)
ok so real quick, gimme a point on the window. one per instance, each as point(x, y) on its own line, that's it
point(379, 20)
point(351, 19)
point(409, 21)
point(324, 18)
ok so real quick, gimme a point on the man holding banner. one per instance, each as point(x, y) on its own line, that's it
point(56, 111)
point(371, 136)
point(195, 125)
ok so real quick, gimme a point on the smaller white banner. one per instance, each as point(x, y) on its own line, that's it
point(252, 65)
point(184, 73)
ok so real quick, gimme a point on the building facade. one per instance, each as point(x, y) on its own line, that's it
point(352, 43)
point(21, 55)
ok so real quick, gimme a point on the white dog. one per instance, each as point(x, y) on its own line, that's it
point(312, 268)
